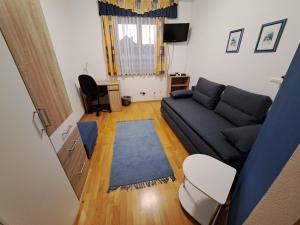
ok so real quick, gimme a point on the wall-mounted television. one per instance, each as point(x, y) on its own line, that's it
point(176, 32)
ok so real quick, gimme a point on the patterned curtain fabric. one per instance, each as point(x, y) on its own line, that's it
point(135, 8)
point(134, 45)
point(160, 48)
point(110, 45)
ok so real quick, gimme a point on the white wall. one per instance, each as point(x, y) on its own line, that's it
point(212, 22)
point(181, 56)
point(75, 28)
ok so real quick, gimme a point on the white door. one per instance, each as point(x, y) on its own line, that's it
point(34, 189)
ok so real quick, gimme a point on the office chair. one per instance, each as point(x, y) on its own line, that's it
point(92, 91)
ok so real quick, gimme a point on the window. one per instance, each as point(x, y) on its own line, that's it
point(136, 45)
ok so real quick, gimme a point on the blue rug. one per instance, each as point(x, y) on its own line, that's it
point(139, 160)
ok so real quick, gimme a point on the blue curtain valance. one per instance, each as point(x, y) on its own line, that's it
point(107, 9)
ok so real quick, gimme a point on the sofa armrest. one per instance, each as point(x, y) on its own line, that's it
point(182, 94)
point(193, 88)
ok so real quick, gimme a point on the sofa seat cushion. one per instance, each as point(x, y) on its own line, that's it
point(207, 124)
point(243, 108)
point(207, 93)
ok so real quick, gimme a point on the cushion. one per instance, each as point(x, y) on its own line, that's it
point(242, 137)
point(207, 93)
point(205, 123)
point(88, 132)
point(242, 107)
point(182, 94)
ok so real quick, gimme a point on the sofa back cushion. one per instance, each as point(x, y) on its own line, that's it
point(242, 107)
point(207, 93)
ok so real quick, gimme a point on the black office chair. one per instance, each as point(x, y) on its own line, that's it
point(92, 91)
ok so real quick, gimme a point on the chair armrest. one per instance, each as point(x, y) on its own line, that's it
point(181, 94)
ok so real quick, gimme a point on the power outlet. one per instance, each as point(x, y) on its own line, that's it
point(142, 93)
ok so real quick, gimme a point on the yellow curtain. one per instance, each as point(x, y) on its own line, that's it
point(110, 45)
point(160, 47)
point(141, 6)
point(111, 50)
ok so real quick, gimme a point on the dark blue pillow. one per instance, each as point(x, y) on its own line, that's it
point(182, 94)
point(242, 137)
point(207, 93)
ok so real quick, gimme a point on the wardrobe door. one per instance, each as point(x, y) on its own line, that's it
point(24, 28)
point(34, 189)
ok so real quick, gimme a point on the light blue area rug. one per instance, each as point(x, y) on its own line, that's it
point(139, 160)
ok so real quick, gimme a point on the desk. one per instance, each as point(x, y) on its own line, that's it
point(113, 87)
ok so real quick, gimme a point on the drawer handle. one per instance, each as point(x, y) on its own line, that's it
point(65, 133)
point(44, 117)
point(82, 168)
point(73, 146)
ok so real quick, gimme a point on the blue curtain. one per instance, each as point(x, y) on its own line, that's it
point(278, 139)
point(106, 9)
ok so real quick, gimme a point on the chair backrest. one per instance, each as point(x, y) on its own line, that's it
point(88, 85)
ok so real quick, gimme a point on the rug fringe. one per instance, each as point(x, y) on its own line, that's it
point(144, 184)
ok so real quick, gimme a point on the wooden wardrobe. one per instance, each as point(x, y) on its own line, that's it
point(25, 31)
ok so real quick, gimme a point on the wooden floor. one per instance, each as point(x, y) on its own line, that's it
point(150, 206)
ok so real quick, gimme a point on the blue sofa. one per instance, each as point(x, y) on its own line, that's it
point(216, 120)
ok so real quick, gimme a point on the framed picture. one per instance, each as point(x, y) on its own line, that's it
point(269, 36)
point(234, 41)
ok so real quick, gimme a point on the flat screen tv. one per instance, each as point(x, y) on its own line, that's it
point(176, 32)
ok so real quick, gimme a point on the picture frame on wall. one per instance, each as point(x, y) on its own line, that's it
point(234, 41)
point(269, 36)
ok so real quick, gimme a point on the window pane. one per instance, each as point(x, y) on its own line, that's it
point(128, 31)
point(136, 44)
point(148, 34)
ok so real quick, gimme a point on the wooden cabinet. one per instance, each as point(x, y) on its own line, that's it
point(25, 31)
point(34, 187)
point(177, 83)
point(73, 158)
point(113, 87)
point(114, 100)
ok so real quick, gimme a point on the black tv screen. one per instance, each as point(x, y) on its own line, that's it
point(176, 32)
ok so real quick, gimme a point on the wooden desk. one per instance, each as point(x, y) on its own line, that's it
point(114, 96)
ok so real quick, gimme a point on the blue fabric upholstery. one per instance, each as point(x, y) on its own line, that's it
point(242, 137)
point(199, 128)
point(206, 124)
point(88, 132)
point(207, 93)
point(243, 108)
point(182, 94)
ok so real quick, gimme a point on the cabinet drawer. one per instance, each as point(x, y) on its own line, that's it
point(113, 87)
point(70, 151)
point(80, 173)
